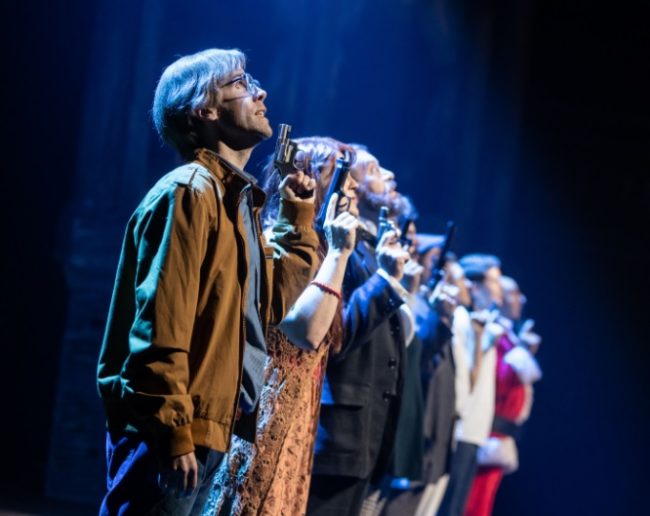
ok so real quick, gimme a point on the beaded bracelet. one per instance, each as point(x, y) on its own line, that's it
point(327, 289)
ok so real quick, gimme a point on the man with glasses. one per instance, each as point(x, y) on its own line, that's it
point(181, 364)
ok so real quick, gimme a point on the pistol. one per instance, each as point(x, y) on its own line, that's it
point(340, 174)
point(285, 151)
point(285, 155)
point(438, 270)
point(383, 225)
point(403, 239)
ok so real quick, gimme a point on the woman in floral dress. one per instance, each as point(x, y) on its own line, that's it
point(272, 475)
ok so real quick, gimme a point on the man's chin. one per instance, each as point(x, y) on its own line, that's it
point(262, 133)
point(265, 131)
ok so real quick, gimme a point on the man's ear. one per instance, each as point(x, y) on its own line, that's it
point(207, 113)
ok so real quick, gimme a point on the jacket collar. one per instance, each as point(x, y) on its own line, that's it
point(232, 177)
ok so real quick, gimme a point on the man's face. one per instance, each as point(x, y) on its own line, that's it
point(456, 276)
point(488, 292)
point(513, 303)
point(350, 191)
point(376, 184)
point(241, 114)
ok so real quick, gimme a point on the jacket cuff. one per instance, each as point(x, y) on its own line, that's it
point(181, 441)
point(389, 300)
point(296, 213)
point(524, 365)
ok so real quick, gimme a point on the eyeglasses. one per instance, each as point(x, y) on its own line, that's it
point(252, 85)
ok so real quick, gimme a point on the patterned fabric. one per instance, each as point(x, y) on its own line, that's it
point(272, 476)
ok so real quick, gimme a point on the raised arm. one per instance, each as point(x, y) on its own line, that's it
point(311, 316)
point(375, 300)
point(294, 243)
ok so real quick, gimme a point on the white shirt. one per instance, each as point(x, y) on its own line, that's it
point(475, 406)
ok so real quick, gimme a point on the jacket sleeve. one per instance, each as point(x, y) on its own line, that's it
point(433, 342)
point(170, 241)
point(294, 243)
point(369, 306)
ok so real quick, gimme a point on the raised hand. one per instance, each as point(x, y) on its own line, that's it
point(446, 301)
point(391, 256)
point(528, 337)
point(340, 230)
point(298, 186)
point(412, 276)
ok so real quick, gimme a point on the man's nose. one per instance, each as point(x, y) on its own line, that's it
point(387, 175)
point(260, 94)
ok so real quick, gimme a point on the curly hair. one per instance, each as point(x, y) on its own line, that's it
point(317, 150)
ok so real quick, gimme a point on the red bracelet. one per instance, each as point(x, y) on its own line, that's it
point(327, 289)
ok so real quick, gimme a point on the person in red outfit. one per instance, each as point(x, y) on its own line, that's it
point(516, 371)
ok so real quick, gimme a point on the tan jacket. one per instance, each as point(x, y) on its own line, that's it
point(172, 356)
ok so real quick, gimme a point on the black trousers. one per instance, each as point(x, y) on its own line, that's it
point(331, 495)
point(461, 475)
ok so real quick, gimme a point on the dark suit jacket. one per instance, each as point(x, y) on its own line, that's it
point(363, 384)
point(440, 399)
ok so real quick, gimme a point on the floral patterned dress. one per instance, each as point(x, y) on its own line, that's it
point(272, 476)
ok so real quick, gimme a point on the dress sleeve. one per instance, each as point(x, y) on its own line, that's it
point(294, 243)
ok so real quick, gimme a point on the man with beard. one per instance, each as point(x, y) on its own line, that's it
point(363, 384)
point(181, 365)
point(377, 189)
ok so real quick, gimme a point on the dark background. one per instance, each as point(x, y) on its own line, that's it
point(526, 122)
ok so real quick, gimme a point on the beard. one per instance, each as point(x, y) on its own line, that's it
point(375, 201)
